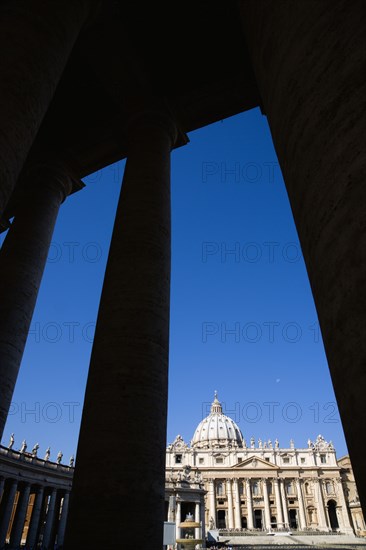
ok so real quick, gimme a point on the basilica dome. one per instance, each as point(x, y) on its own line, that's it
point(217, 430)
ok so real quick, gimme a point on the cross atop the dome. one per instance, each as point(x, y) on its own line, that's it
point(216, 399)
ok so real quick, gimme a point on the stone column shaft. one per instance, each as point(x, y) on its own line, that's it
point(212, 501)
point(50, 519)
point(230, 504)
point(63, 520)
point(23, 258)
point(197, 518)
point(301, 504)
point(314, 101)
point(346, 521)
point(32, 539)
point(284, 502)
point(320, 502)
point(7, 510)
point(36, 39)
point(128, 374)
point(178, 519)
point(249, 505)
point(20, 515)
point(2, 483)
point(237, 504)
point(267, 512)
point(278, 503)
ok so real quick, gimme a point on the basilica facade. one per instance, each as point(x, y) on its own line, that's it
point(230, 485)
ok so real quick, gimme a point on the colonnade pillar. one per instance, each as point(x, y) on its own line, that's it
point(21, 512)
point(63, 519)
point(50, 519)
point(36, 39)
point(128, 374)
point(6, 511)
point(237, 504)
point(250, 523)
point(23, 258)
point(35, 518)
point(314, 102)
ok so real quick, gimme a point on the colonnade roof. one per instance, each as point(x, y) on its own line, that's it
point(192, 58)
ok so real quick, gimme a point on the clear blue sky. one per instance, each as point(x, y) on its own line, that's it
point(243, 320)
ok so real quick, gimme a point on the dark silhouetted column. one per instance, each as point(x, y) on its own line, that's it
point(123, 432)
point(21, 512)
point(22, 260)
point(36, 39)
point(63, 520)
point(309, 60)
point(32, 539)
point(50, 520)
point(9, 495)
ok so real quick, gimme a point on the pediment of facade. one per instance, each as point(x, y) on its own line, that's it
point(254, 462)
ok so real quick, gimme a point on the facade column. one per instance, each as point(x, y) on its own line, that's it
point(278, 503)
point(7, 510)
point(237, 504)
point(301, 504)
point(63, 519)
point(20, 515)
point(50, 519)
point(284, 503)
point(267, 511)
point(36, 39)
point(178, 518)
point(250, 523)
point(129, 362)
point(212, 502)
point(346, 521)
point(23, 258)
point(320, 502)
point(230, 504)
point(32, 539)
point(197, 518)
point(203, 522)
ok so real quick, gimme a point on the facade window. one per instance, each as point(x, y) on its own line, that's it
point(178, 459)
point(220, 489)
point(270, 488)
point(323, 459)
point(286, 460)
point(329, 487)
point(289, 488)
point(302, 460)
point(307, 488)
point(201, 460)
point(241, 488)
point(267, 459)
point(219, 460)
point(255, 488)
